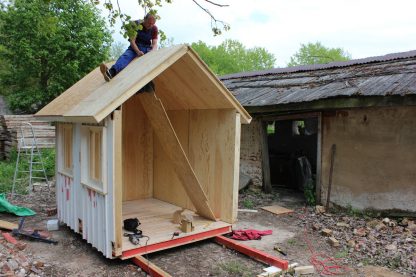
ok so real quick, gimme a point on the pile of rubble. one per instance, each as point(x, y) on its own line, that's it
point(15, 260)
point(385, 242)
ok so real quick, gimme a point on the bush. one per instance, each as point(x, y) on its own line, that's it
point(7, 169)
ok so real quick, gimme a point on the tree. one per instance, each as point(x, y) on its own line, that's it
point(232, 56)
point(117, 49)
point(316, 53)
point(129, 28)
point(48, 46)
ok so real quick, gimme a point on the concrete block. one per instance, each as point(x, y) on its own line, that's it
point(52, 225)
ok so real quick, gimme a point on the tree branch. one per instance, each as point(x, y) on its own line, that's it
point(214, 21)
point(216, 4)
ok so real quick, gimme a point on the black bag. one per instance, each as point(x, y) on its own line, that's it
point(131, 224)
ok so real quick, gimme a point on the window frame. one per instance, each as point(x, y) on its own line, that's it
point(91, 166)
point(66, 141)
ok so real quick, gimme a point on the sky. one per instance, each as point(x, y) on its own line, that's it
point(363, 28)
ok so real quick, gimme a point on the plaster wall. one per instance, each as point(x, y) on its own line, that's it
point(375, 160)
point(250, 151)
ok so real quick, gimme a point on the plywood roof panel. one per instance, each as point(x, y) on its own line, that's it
point(182, 81)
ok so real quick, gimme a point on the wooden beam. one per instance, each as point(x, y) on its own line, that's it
point(267, 183)
point(149, 268)
point(151, 248)
point(118, 181)
point(171, 145)
point(7, 225)
point(253, 253)
point(335, 103)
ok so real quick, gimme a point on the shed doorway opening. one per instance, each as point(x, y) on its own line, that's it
point(293, 153)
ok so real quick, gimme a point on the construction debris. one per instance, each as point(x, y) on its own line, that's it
point(277, 209)
point(13, 260)
point(303, 270)
point(383, 242)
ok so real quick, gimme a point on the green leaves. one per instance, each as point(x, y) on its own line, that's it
point(232, 56)
point(46, 46)
point(316, 53)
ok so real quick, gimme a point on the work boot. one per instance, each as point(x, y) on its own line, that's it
point(106, 72)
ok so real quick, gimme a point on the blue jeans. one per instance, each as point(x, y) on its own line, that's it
point(127, 57)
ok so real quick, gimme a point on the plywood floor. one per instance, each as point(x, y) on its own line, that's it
point(156, 217)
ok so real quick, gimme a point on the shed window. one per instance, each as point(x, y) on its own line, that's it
point(67, 140)
point(95, 154)
point(93, 158)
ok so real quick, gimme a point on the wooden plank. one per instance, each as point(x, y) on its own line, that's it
point(233, 206)
point(149, 267)
point(253, 253)
point(277, 209)
point(7, 225)
point(117, 181)
point(214, 139)
point(172, 146)
point(93, 97)
point(137, 152)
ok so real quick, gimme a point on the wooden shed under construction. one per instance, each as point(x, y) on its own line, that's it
point(123, 154)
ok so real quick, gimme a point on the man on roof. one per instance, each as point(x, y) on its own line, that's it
point(143, 42)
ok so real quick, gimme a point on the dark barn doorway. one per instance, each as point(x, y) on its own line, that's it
point(293, 153)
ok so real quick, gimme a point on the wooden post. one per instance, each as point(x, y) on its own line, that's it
point(267, 184)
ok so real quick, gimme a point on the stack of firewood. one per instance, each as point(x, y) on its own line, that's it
point(10, 133)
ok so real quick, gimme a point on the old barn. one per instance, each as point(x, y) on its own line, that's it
point(357, 117)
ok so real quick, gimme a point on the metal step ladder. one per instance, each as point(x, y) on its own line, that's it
point(29, 159)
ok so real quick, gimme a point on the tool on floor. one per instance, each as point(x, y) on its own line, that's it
point(132, 224)
point(134, 238)
point(19, 232)
point(175, 234)
point(280, 250)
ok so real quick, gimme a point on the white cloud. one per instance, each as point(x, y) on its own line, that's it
point(361, 27)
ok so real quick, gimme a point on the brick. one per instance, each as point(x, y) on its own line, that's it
point(9, 238)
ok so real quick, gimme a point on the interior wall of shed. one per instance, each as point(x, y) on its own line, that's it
point(137, 147)
point(211, 141)
point(375, 158)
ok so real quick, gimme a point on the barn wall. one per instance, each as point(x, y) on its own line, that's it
point(250, 151)
point(375, 162)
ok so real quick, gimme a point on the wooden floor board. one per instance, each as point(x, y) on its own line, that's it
point(156, 217)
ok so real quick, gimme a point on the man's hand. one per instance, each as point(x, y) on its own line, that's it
point(139, 53)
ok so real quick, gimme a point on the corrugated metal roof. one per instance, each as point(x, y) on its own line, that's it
point(384, 58)
point(393, 74)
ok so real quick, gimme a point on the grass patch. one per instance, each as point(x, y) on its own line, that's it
point(341, 254)
point(7, 169)
point(248, 204)
point(235, 268)
point(291, 241)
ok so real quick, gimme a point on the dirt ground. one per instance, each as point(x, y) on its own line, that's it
point(294, 233)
